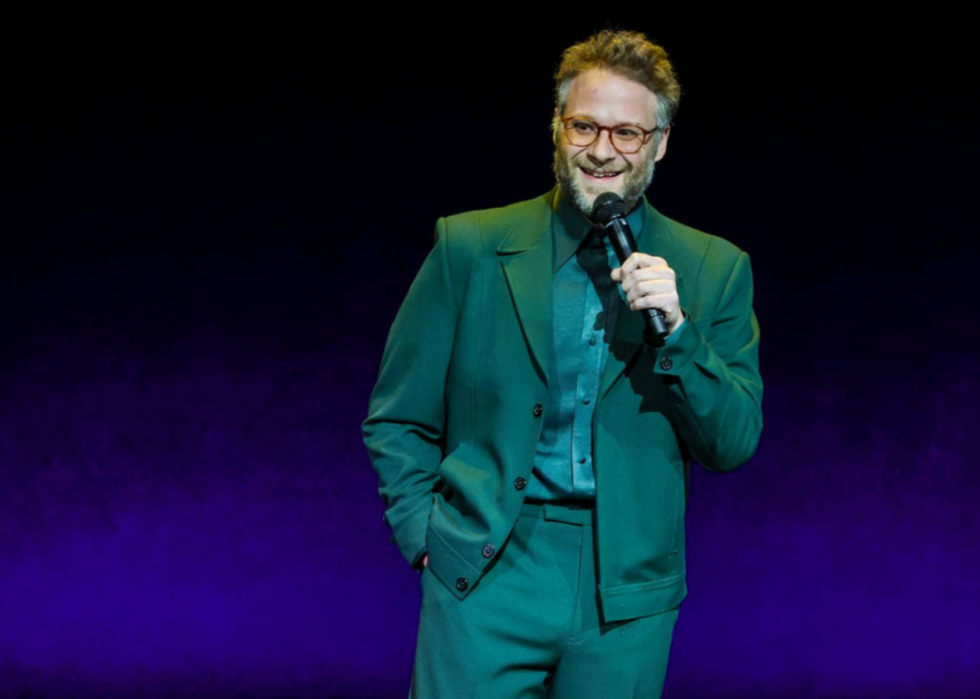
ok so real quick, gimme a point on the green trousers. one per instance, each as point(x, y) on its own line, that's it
point(532, 626)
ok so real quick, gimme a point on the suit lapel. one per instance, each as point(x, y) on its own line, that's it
point(628, 334)
point(526, 257)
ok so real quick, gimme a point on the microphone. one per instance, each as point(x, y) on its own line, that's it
point(609, 212)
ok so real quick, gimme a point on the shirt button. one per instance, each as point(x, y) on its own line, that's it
point(586, 401)
point(520, 483)
point(582, 460)
point(592, 341)
point(488, 551)
point(538, 409)
point(462, 584)
point(666, 363)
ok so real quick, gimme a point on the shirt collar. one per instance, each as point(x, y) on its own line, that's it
point(570, 228)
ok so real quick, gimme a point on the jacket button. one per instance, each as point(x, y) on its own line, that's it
point(462, 584)
point(520, 483)
point(666, 363)
point(538, 409)
point(488, 551)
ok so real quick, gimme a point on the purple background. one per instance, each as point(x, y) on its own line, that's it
point(202, 249)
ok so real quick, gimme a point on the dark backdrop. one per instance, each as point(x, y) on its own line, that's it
point(204, 242)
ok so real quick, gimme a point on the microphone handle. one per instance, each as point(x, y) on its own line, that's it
point(624, 245)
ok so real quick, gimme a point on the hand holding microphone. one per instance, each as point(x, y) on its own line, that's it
point(649, 283)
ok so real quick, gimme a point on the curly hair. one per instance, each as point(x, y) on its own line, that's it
point(627, 54)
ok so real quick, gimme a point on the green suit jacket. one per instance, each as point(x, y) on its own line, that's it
point(455, 416)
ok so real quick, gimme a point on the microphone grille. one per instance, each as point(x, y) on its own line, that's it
point(606, 207)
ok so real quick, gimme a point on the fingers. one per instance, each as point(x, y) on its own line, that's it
point(660, 289)
point(630, 275)
point(648, 282)
point(640, 259)
point(664, 299)
point(642, 263)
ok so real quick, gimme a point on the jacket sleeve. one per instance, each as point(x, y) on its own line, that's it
point(406, 418)
point(713, 376)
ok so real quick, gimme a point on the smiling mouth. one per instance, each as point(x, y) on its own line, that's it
point(601, 174)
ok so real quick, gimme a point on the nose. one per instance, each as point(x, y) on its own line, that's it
point(602, 151)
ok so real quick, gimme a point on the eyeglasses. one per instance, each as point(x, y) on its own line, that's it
point(626, 138)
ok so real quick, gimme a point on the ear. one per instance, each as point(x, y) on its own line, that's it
point(555, 121)
point(662, 146)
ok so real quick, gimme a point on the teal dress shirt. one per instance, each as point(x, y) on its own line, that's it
point(584, 310)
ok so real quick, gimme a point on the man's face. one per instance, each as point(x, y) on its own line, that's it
point(586, 172)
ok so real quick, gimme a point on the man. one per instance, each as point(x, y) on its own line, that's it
point(532, 450)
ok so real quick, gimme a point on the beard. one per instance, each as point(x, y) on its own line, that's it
point(636, 180)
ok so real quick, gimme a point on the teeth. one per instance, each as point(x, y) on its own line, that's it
point(600, 173)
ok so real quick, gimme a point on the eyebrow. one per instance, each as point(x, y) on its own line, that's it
point(621, 123)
